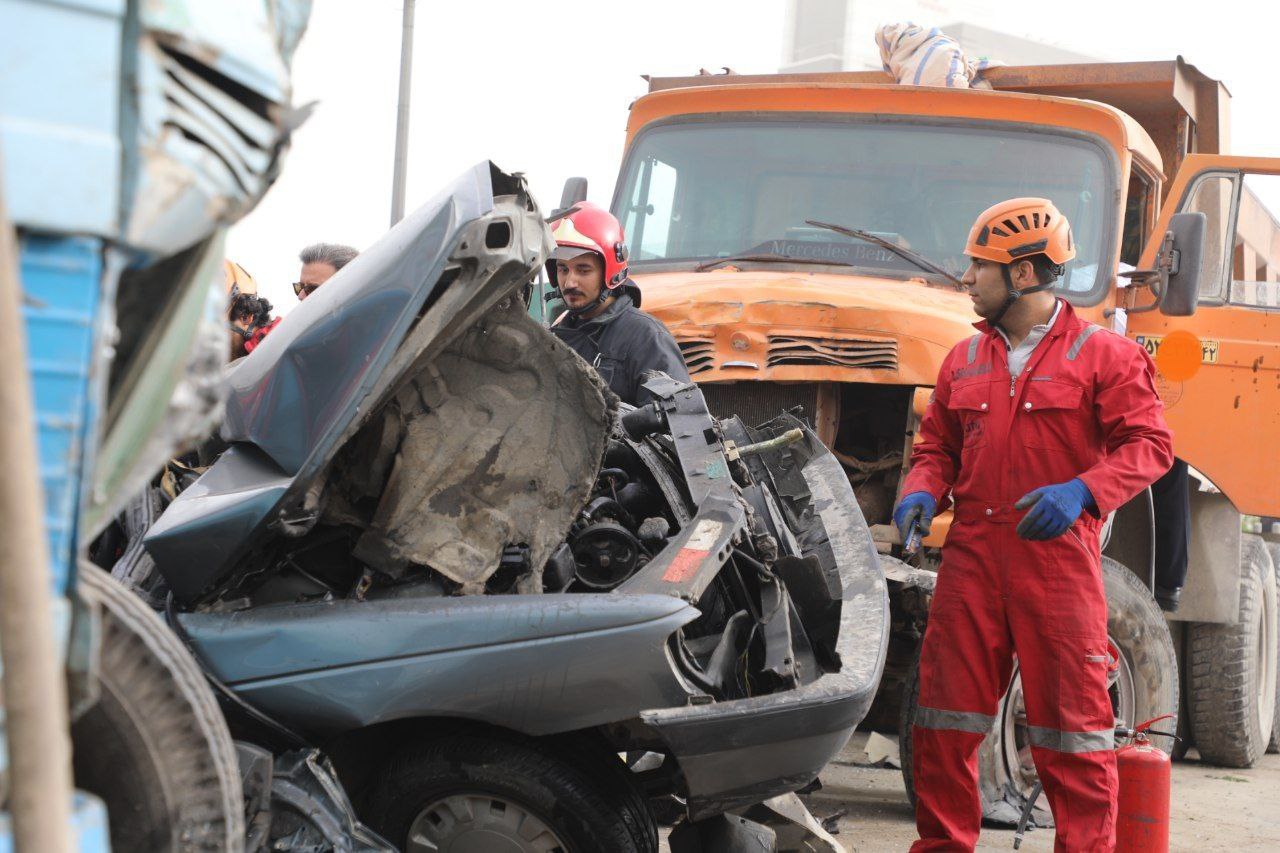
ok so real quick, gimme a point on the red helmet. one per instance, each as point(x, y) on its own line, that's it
point(589, 228)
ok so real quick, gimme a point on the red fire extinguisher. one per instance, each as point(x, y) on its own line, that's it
point(1144, 772)
point(1142, 819)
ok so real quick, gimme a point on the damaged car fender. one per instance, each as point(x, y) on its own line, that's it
point(535, 664)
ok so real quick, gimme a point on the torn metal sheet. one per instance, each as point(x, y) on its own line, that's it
point(483, 461)
point(725, 833)
point(881, 750)
point(897, 570)
point(212, 115)
point(797, 830)
point(310, 809)
point(171, 394)
point(248, 41)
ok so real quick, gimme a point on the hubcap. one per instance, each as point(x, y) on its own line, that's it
point(1016, 764)
point(480, 823)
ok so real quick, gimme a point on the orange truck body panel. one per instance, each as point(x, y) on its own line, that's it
point(1225, 418)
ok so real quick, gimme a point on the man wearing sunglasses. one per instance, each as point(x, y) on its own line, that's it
point(319, 262)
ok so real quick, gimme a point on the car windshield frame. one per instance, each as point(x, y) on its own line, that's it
point(1108, 159)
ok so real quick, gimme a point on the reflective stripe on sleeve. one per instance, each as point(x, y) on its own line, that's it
point(961, 721)
point(1060, 741)
point(973, 347)
point(1078, 343)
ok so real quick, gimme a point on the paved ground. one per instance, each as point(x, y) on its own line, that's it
point(1213, 808)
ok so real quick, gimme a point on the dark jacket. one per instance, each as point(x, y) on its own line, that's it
point(622, 344)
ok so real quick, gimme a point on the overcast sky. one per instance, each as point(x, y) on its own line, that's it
point(544, 89)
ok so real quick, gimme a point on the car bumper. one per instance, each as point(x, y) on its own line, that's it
point(740, 752)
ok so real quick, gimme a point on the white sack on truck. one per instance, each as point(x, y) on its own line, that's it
point(926, 56)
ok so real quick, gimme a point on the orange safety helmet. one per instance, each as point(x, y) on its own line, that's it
point(1019, 228)
point(587, 227)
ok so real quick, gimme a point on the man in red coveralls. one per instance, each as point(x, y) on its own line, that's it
point(1040, 426)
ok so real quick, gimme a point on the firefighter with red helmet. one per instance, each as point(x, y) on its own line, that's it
point(602, 321)
point(1039, 427)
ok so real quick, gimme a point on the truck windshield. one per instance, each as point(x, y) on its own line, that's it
point(702, 190)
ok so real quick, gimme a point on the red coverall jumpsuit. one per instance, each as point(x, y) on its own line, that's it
point(1085, 406)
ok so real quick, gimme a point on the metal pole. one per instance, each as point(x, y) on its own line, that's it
point(35, 689)
point(402, 115)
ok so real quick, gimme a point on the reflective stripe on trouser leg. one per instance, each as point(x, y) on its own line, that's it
point(1060, 741)
point(1060, 632)
point(965, 664)
point(960, 721)
point(944, 765)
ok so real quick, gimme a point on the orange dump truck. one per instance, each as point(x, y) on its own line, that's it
point(720, 177)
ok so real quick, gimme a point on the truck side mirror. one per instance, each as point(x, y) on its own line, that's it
point(1179, 264)
point(575, 190)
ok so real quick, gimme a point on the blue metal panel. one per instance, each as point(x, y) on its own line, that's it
point(60, 70)
point(88, 826)
point(61, 281)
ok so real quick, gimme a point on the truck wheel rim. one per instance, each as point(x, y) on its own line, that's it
point(479, 823)
point(1266, 669)
point(1018, 768)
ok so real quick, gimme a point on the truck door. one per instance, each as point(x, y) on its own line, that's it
point(1225, 410)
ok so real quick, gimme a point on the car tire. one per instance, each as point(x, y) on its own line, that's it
point(1232, 667)
point(472, 783)
point(1146, 687)
point(155, 746)
point(1273, 745)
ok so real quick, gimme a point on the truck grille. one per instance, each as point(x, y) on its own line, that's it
point(758, 402)
point(867, 353)
point(698, 352)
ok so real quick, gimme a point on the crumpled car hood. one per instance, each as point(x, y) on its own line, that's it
point(496, 441)
point(413, 380)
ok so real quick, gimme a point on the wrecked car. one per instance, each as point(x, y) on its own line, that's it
point(443, 578)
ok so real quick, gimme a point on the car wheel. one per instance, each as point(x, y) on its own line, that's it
point(155, 746)
point(1145, 686)
point(501, 792)
point(1232, 669)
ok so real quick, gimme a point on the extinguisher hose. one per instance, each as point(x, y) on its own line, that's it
point(1027, 807)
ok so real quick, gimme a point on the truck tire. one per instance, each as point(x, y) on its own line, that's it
point(906, 718)
point(155, 746)
point(1232, 669)
point(1146, 686)
point(469, 787)
point(1273, 745)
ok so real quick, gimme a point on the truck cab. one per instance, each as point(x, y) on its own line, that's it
point(726, 185)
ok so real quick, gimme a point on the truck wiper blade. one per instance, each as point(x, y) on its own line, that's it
point(906, 254)
point(767, 257)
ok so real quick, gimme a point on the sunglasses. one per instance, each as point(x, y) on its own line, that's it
point(299, 289)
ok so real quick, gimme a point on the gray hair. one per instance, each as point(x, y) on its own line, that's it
point(334, 254)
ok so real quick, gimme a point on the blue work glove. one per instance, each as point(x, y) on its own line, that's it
point(1053, 509)
point(915, 506)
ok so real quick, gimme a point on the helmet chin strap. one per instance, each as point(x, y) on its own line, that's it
point(1012, 294)
point(605, 293)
